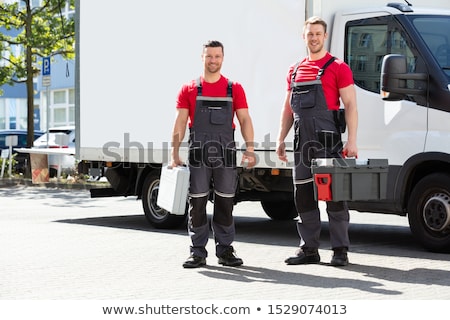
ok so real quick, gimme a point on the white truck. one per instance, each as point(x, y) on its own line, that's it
point(133, 58)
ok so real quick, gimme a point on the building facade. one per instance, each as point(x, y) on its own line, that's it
point(54, 104)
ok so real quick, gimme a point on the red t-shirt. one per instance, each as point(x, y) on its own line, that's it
point(188, 94)
point(336, 76)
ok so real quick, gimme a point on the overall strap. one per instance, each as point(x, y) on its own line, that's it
point(199, 86)
point(230, 88)
point(321, 71)
point(198, 82)
point(294, 73)
point(319, 74)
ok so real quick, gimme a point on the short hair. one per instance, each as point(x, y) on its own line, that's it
point(315, 20)
point(213, 44)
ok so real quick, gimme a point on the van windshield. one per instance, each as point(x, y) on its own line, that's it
point(434, 30)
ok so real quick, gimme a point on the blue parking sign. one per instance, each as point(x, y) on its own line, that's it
point(46, 66)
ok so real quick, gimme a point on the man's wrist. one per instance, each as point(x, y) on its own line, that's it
point(250, 147)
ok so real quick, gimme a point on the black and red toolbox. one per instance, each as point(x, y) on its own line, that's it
point(339, 179)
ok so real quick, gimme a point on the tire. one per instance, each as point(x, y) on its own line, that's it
point(280, 210)
point(156, 216)
point(429, 212)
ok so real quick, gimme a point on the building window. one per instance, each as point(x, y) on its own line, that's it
point(379, 62)
point(62, 108)
point(365, 40)
point(72, 96)
point(59, 115)
point(59, 97)
point(13, 113)
point(21, 113)
point(2, 114)
point(362, 61)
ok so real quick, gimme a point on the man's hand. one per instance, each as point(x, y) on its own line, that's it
point(248, 159)
point(281, 152)
point(350, 150)
point(176, 161)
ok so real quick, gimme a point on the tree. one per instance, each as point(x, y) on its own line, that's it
point(31, 33)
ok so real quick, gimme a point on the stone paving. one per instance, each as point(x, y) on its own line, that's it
point(62, 245)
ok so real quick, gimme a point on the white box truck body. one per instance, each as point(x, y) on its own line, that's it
point(132, 59)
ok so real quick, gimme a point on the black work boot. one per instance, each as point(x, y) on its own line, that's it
point(304, 256)
point(194, 262)
point(340, 258)
point(229, 258)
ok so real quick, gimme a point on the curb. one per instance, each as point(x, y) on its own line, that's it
point(13, 182)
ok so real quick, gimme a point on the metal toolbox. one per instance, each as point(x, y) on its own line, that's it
point(338, 179)
point(173, 189)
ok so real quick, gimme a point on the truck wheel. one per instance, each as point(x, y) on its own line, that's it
point(280, 210)
point(156, 216)
point(429, 212)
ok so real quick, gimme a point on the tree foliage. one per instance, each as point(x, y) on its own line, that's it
point(29, 33)
point(43, 30)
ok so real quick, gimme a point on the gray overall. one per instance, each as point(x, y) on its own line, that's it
point(212, 164)
point(317, 135)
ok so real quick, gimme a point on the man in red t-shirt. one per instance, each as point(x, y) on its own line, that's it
point(315, 87)
point(208, 105)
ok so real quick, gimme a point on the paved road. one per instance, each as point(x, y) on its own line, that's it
point(61, 244)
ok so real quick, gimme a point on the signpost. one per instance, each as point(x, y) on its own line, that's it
point(46, 82)
point(46, 69)
point(10, 141)
point(5, 155)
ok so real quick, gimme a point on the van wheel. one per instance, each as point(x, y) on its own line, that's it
point(429, 212)
point(280, 210)
point(156, 216)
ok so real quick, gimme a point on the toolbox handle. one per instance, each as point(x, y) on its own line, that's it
point(323, 183)
point(344, 155)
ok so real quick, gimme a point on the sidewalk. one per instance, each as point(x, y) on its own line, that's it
point(63, 245)
point(53, 183)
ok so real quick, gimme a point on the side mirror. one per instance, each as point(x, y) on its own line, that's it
point(396, 82)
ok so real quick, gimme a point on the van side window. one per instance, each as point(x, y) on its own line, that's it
point(367, 42)
point(434, 31)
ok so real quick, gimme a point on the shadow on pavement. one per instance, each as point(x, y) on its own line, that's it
point(365, 238)
point(248, 274)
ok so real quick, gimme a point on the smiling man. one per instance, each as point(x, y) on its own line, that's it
point(315, 87)
point(208, 105)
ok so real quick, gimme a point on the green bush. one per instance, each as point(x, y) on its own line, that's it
point(6, 169)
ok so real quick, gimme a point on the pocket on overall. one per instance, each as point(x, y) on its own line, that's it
point(324, 121)
point(218, 115)
point(295, 102)
point(329, 139)
point(326, 133)
point(308, 96)
point(304, 97)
